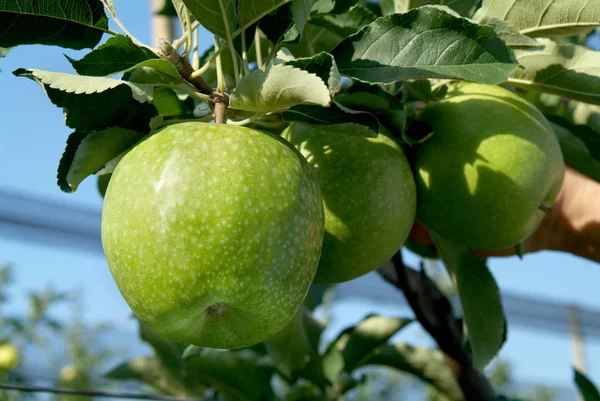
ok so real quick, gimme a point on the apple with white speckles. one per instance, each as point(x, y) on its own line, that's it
point(369, 197)
point(213, 233)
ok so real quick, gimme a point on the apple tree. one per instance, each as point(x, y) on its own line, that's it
point(297, 152)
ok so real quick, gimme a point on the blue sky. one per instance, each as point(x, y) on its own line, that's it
point(32, 139)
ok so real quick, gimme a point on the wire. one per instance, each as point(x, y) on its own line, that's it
point(91, 393)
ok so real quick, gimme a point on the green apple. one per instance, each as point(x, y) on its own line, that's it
point(369, 198)
point(213, 233)
point(492, 168)
point(9, 357)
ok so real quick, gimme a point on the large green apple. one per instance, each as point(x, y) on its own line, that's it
point(369, 197)
point(213, 233)
point(491, 168)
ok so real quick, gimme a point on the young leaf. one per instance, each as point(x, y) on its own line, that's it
point(565, 70)
point(400, 46)
point(280, 87)
point(576, 152)
point(588, 391)
point(358, 343)
point(250, 11)
point(118, 54)
point(508, 33)
point(88, 152)
point(79, 25)
point(322, 65)
point(336, 118)
point(84, 85)
point(430, 366)
point(217, 16)
point(544, 18)
point(241, 374)
point(479, 295)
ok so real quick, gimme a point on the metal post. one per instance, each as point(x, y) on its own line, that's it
point(161, 26)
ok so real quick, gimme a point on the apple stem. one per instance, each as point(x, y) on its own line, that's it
point(219, 103)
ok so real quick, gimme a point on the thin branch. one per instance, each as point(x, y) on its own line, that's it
point(91, 393)
point(433, 310)
point(183, 66)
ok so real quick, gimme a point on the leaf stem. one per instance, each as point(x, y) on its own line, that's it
point(245, 67)
point(229, 38)
point(245, 121)
point(183, 38)
point(196, 55)
point(123, 28)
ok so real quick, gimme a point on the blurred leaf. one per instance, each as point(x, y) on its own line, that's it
point(79, 25)
point(151, 371)
point(397, 47)
point(315, 295)
point(587, 114)
point(169, 352)
point(278, 88)
point(565, 70)
point(4, 51)
point(508, 33)
point(323, 66)
point(279, 27)
point(88, 152)
point(332, 6)
point(427, 365)
point(335, 118)
point(102, 183)
point(217, 16)
point(168, 10)
point(462, 7)
point(295, 349)
point(347, 23)
point(388, 110)
point(588, 391)
point(576, 153)
point(479, 295)
point(241, 375)
point(359, 342)
point(301, 11)
point(118, 54)
point(191, 351)
point(250, 11)
point(544, 18)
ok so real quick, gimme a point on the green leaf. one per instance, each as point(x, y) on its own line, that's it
point(167, 103)
point(588, 391)
point(587, 114)
point(242, 375)
point(399, 47)
point(250, 11)
point(347, 23)
point(154, 72)
point(301, 12)
point(576, 152)
point(430, 366)
point(332, 6)
point(4, 51)
point(480, 299)
point(335, 118)
point(323, 66)
point(508, 33)
point(96, 111)
point(565, 70)
point(76, 25)
point(79, 85)
point(358, 343)
point(217, 16)
point(169, 352)
point(383, 106)
point(280, 87)
point(462, 7)
point(88, 152)
point(279, 27)
point(295, 349)
point(118, 54)
point(544, 18)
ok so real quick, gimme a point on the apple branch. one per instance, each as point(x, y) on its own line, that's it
point(433, 310)
point(183, 66)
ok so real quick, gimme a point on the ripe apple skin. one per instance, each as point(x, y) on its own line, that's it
point(213, 233)
point(492, 161)
point(369, 198)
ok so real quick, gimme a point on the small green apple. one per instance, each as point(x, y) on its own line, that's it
point(490, 169)
point(369, 198)
point(213, 233)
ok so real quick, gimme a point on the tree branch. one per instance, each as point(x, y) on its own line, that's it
point(183, 66)
point(433, 310)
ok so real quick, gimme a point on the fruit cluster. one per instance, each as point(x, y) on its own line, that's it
point(214, 233)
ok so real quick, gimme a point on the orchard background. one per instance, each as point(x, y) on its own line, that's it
point(30, 149)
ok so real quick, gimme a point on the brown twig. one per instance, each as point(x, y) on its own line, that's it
point(183, 66)
point(433, 310)
point(91, 393)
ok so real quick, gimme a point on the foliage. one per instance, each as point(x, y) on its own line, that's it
point(343, 65)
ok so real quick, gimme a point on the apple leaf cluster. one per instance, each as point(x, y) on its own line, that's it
point(367, 92)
